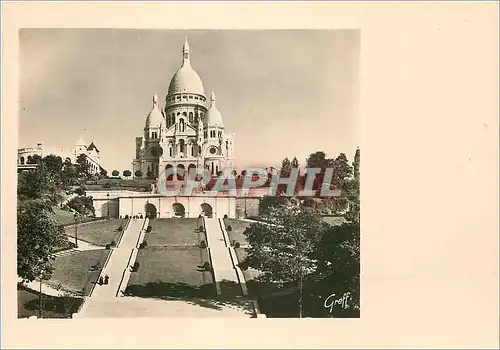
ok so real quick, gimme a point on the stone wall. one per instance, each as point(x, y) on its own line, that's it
point(250, 204)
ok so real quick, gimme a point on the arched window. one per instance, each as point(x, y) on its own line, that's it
point(22, 160)
point(181, 146)
point(184, 114)
point(192, 151)
point(196, 117)
point(191, 117)
point(170, 150)
point(205, 134)
point(173, 119)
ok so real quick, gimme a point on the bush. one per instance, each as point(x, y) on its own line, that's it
point(203, 245)
point(120, 228)
point(126, 216)
point(148, 230)
point(143, 245)
point(80, 191)
point(229, 228)
point(135, 267)
point(201, 228)
point(225, 216)
point(206, 266)
point(107, 185)
point(237, 245)
point(113, 243)
point(108, 246)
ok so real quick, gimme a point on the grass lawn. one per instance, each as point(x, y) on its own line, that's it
point(99, 233)
point(238, 227)
point(73, 271)
point(175, 231)
point(52, 307)
point(65, 217)
point(171, 272)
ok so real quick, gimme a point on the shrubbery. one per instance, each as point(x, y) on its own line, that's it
point(136, 266)
point(203, 245)
point(143, 245)
point(148, 230)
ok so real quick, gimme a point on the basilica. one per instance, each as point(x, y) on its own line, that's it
point(187, 132)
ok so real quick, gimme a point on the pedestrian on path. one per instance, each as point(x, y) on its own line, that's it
point(106, 279)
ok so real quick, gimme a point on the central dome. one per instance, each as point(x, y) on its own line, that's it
point(186, 80)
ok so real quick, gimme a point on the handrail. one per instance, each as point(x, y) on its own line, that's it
point(142, 233)
point(217, 284)
point(123, 233)
point(126, 269)
point(239, 273)
point(100, 273)
point(224, 232)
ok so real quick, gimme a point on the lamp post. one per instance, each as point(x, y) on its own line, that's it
point(76, 230)
point(40, 299)
point(107, 205)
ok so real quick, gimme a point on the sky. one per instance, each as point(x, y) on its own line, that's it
point(284, 93)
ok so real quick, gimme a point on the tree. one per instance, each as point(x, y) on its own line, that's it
point(54, 164)
point(319, 160)
point(138, 174)
point(37, 184)
point(294, 163)
point(282, 248)
point(34, 159)
point(353, 192)
point(83, 167)
point(342, 170)
point(103, 172)
point(127, 173)
point(338, 266)
point(115, 173)
point(69, 174)
point(82, 204)
point(37, 235)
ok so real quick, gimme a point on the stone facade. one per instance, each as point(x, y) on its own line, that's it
point(187, 132)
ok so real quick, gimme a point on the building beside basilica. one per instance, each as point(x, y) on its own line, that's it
point(187, 132)
point(25, 155)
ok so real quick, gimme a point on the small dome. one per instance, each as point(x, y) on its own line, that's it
point(214, 118)
point(155, 117)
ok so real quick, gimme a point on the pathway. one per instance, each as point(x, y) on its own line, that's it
point(219, 251)
point(118, 262)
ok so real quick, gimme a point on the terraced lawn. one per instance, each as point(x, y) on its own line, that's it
point(65, 217)
point(73, 271)
point(238, 227)
point(171, 272)
point(98, 233)
point(175, 231)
